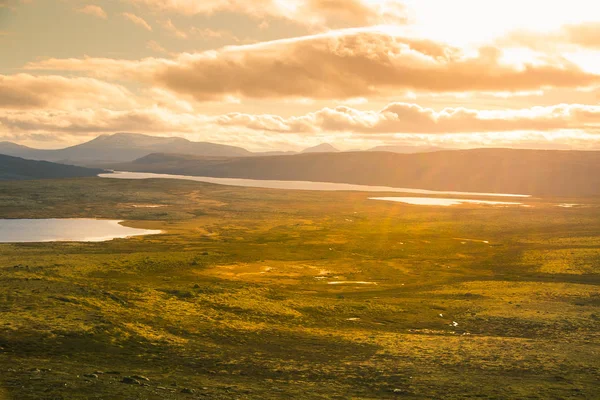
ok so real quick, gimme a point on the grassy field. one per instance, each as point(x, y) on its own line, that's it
point(265, 294)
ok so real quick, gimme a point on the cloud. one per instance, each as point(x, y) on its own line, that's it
point(269, 123)
point(414, 119)
point(339, 13)
point(24, 91)
point(101, 120)
point(584, 35)
point(565, 126)
point(68, 126)
point(94, 10)
point(168, 25)
point(340, 65)
point(72, 127)
point(574, 126)
point(137, 20)
point(394, 119)
point(156, 47)
point(315, 13)
point(405, 118)
point(102, 67)
point(207, 33)
point(359, 64)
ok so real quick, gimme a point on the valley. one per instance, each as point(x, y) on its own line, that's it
point(265, 294)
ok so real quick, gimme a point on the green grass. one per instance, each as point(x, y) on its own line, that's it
point(233, 300)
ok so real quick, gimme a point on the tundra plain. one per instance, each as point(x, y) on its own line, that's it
point(268, 294)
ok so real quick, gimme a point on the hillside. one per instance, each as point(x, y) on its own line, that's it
point(322, 148)
point(535, 172)
point(127, 147)
point(15, 168)
point(122, 147)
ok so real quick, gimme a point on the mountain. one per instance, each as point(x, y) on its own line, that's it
point(122, 147)
point(15, 168)
point(322, 148)
point(535, 172)
point(17, 150)
point(126, 147)
point(9, 146)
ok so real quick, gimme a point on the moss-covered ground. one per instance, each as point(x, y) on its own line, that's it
point(267, 294)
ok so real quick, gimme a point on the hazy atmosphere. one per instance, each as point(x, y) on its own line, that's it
point(299, 199)
point(288, 74)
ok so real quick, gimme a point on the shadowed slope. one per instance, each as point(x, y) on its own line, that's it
point(535, 172)
point(15, 168)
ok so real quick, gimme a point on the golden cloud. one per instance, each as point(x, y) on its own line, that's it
point(394, 119)
point(314, 13)
point(94, 10)
point(137, 20)
point(411, 118)
point(339, 65)
point(69, 126)
point(405, 118)
point(24, 91)
point(584, 35)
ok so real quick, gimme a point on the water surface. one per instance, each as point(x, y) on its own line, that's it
point(65, 230)
point(433, 201)
point(294, 185)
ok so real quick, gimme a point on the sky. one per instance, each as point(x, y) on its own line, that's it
point(288, 74)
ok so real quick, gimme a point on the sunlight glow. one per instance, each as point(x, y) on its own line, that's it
point(476, 21)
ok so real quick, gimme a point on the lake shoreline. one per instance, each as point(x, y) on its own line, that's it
point(50, 230)
point(298, 185)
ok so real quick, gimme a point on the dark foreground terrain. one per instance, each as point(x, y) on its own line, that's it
point(15, 168)
point(263, 294)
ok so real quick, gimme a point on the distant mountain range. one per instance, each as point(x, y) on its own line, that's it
point(126, 147)
point(122, 147)
point(322, 148)
point(15, 168)
point(534, 172)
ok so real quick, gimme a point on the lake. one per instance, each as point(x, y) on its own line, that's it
point(433, 201)
point(295, 185)
point(65, 230)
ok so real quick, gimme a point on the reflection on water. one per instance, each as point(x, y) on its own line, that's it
point(293, 185)
point(65, 230)
point(433, 201)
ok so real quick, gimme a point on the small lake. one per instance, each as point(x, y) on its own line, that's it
point(295, 185)
point(65, 230)
point(433, 201)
